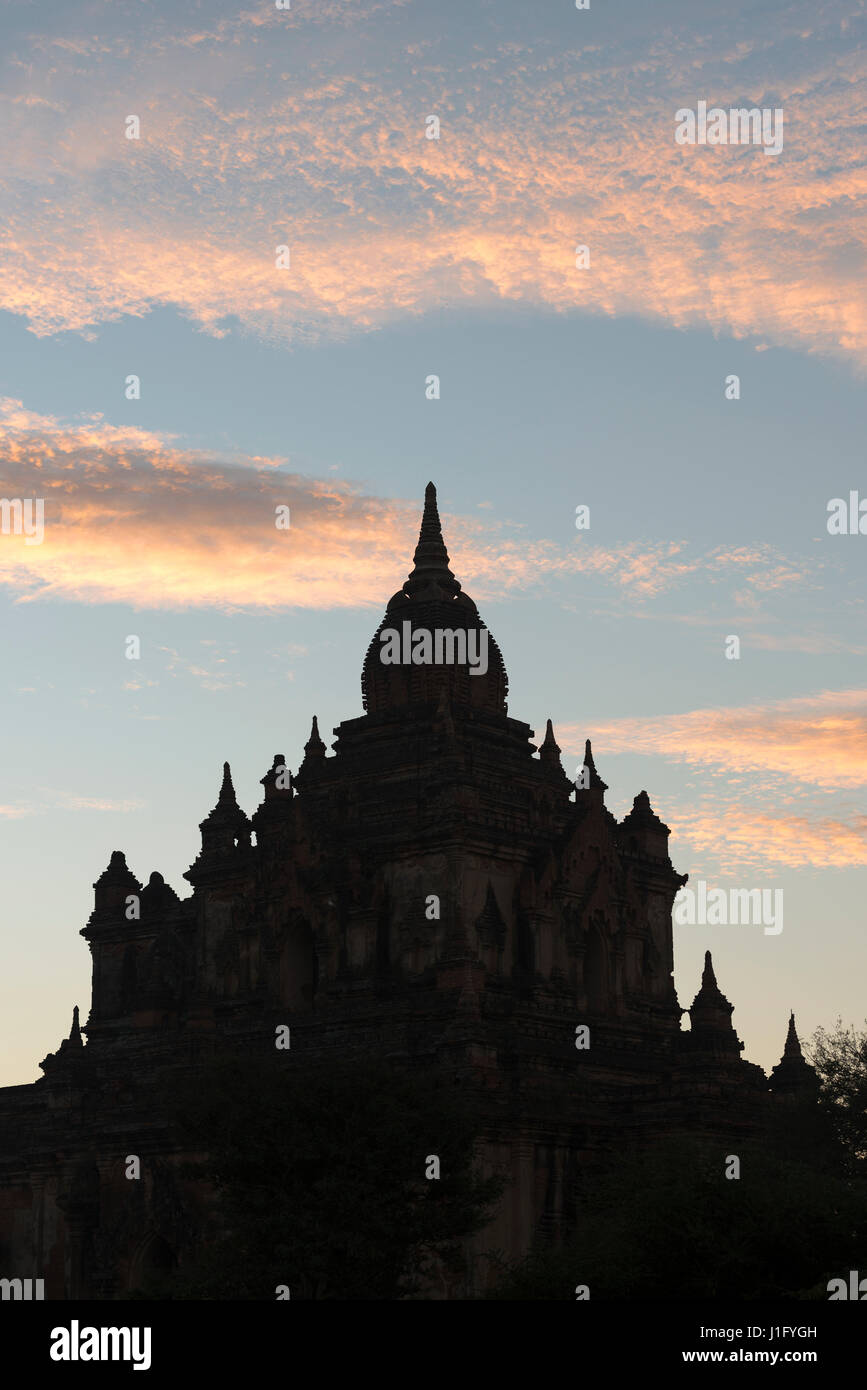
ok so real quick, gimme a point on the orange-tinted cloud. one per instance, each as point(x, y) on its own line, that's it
point(738, 838)
point(814, 740)
point(132, 517)
point(776, 778)
point(538, 153)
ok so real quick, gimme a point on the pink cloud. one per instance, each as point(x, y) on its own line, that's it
point(533, 159)
point(738, 838)
point(816, 740)
point(133, 517)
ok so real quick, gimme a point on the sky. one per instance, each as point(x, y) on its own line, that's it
point(167, 381)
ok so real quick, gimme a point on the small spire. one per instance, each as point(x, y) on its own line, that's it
point(227, 811)
point(157, 896)
point(711, 1014)
point(75, 1031)
point(227, 791)
point(314, 747)
point(224, 830)
point(595, 781)
point(549, 750)
point(226, 823)
point(792, 1048)
point(793, 1075)
point(114, 884)
point(708, 978)
point(710, 996)
point(643, 815)
point(117, 870)
point(277, 769)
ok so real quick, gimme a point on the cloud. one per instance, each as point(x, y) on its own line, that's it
point(50, 799)
point(66, 802)
point(738, 838)
point(247, 144)
point(133, 517)
point(814, 740)
point(774, 778)
point(208, 676)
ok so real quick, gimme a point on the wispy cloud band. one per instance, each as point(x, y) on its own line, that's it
point(540, 150)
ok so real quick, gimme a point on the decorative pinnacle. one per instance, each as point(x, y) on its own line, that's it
point(314, 747)
point(227, 812)
point(710, 995)
point(595, 781)
point(549, 750)
point(710, 1009)
point(430, 563)
point(793, 1044)
point(227, 791)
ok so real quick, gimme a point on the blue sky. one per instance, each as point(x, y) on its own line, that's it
point(559, 386)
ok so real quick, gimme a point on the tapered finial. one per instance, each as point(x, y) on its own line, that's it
point(430, 563)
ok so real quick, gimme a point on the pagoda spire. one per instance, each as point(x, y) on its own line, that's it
point(708, 978)
point(642, 832)
point(432, 601)
point(793, 1074)
point(113, 887)
point(227, 797)
point(549, 749)
point(314, 747)
point(792, 1048)
point(67, 1061)
point(278, 779)
point(592, 779)
point(224, 829)
point(711, 1016)
point(710, 1008)
point(227, 812)
point(430, 563)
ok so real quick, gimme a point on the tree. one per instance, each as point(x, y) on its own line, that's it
point(665, 1223)
point(319, 1175)
point(840, 1058)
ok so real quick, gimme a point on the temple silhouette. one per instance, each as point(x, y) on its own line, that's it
point(435, 887)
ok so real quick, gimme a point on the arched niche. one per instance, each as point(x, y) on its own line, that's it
point(596, 971)
point(299, 967)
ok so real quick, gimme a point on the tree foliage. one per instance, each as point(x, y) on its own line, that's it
point(318, 1171)
point(666, 1223)
point(840, 1058)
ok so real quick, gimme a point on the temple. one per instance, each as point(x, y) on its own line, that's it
point(435, 885)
